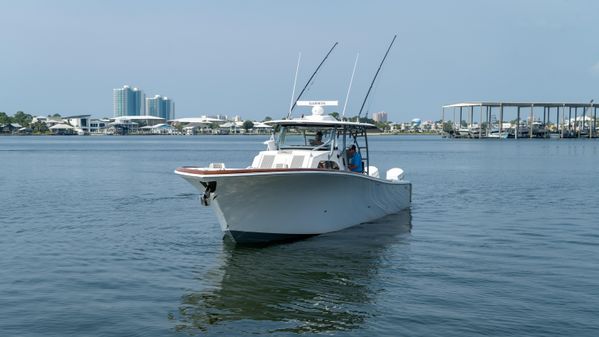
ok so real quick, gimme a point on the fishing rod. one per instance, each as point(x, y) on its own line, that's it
point(299, 58)
point(350, 83)
point(375, 75)
point(310, 80)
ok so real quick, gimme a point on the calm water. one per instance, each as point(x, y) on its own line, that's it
point(98, 237)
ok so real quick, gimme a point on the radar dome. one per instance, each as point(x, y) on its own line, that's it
point(317, 110)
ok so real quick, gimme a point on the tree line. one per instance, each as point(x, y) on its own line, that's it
point(19, 117)
point(25, 120)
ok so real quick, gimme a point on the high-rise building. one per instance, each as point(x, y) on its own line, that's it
point(380, 117)
point(159, 106)
point(128, 102)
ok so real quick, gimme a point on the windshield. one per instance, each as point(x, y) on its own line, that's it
point(306, 137)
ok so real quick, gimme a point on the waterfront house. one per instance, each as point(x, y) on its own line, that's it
point(199, 125)
point(230, 128)
point(159, 129)
point(24, 131)
point(9, 128)
point(80, 122)
point(63, 129)
point(124, 125)
point(262, 128)
point(98, 126)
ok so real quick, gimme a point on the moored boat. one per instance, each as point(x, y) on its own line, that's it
point(495, 132)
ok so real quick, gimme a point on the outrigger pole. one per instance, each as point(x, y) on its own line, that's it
point(349, 88)
point(310, 80)
point(375, 75)
point(299, 58)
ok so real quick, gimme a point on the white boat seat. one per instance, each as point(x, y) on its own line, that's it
point(297, 162)
point(267, 161)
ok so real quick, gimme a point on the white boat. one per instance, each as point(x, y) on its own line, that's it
point(474, 131)
point(496, 133)
point(522, 131)
point(300, 185)
point(463, 132)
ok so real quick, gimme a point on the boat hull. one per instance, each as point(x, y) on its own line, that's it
point(272, 205)
point(503, 135)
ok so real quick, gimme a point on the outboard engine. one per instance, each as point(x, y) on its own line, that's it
point(395, 174)
point(373, 171)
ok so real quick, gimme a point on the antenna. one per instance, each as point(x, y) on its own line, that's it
point(350, 83)
point(311, 77)
point(299, 57)
point(375, 75)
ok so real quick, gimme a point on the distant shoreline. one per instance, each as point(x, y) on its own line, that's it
point(206, 134)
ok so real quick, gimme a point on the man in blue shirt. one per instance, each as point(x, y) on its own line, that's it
point(355, 159)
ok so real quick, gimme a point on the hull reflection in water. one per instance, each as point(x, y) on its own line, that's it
point(327, 283)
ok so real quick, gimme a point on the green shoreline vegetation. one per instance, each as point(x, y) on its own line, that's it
point(23, 120)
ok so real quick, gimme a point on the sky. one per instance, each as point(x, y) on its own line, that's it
point(239, 57)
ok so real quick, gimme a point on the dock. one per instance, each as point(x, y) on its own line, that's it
point(558, 120)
